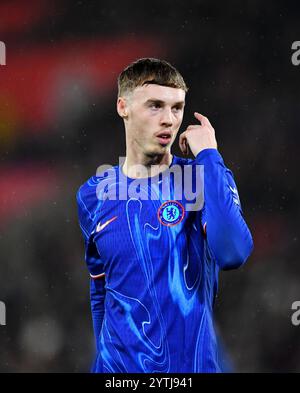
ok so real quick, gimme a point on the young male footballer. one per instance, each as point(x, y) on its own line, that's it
point(153, 253)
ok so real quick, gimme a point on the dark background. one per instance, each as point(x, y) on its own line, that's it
point(58, 123)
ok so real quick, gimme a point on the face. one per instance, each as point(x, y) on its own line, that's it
point(154, 115)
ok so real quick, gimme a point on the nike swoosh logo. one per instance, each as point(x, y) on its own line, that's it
point(235, 196)
point(234, 190)
point(102, 226)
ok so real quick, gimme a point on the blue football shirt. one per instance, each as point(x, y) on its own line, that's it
point(154, 265)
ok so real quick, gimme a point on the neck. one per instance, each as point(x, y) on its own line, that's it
point(140, 165)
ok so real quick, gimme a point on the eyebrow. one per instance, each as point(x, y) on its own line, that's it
point(157, 101)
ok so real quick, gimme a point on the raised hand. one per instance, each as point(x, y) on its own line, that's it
point(198, 137)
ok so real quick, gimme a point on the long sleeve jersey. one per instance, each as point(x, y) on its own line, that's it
point(154, 263)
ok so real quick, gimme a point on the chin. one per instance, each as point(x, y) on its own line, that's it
point(159, 151)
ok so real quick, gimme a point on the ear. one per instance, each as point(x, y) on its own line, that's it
point(122, 107)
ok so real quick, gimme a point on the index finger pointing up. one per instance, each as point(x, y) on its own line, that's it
point(203, 120)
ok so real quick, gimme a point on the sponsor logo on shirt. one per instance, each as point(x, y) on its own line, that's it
point(170, 213)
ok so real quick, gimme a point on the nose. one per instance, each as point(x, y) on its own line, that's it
point(167, 118)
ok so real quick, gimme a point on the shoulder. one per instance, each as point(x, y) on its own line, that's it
point(87, 193)
point(88, 197)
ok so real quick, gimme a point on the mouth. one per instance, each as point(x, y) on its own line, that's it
point(164, 137)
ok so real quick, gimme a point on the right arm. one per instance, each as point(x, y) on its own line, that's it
point(87, 204)
point(97, 294)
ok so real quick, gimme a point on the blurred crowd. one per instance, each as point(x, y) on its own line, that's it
point(58, 123)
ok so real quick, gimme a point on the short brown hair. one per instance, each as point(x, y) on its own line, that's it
point(149, 70)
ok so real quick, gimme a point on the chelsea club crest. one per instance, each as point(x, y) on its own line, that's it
point(170, 213)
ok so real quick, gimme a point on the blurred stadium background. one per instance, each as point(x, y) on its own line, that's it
point(58, 123)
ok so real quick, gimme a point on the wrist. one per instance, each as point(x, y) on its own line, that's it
point(206, 149)
point(208, 154)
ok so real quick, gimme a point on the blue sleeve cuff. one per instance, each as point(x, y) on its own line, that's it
point(210, 154)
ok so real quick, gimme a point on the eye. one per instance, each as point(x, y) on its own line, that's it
point(155, 105)
point(177, 109)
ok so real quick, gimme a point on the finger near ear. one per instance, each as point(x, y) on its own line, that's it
point(181, 147)
point(182, 143)
point(186, 147)
point(182, 136)
point(198, 116)
point(203, 119)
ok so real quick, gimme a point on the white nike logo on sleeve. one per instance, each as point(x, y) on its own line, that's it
point(102, 226)
point(236, 198)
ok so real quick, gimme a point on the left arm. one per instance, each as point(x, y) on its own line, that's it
point(227, 233)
